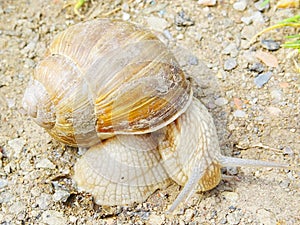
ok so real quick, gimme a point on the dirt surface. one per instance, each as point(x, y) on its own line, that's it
point(212, 45)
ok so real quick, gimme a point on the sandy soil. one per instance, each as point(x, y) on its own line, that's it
point(35, 183)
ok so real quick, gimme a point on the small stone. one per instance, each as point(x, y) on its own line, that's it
point(232, 171)
point(193, 60)
point(73, 219)
point(230, 196)
point(157, 23)
point(188, 215)
point(44, 201)
point(125, 16)
point(230, 64)
point(270, 45)
point(288, 151)
point(266, 217)
point(256, 67)
point(155, 219)
point(240, 5)
point(61, 196)
point(239, 113)
point(274, 110)
point(247, 20)
point(45, 164)
point(261, 6)
point(17, 207)
point(207, 2)
point(276, 95)
point(3, 183)
point(182, 20)
point(262, 79)
point(257, 17)
point(231, 49)
point(231, 127)
point(179, 36)
point(52, 217)
point(221, 101)
point(17, 145)
point(234, 218)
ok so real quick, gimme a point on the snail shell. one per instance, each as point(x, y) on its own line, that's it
point(115, 88)
point(100, 78)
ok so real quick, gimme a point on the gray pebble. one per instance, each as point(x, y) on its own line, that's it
point(239, 113)
point(288, 151)
point(193, 60)
point(44, 201)
point(231, 49)
point(52, 217)
point(262, 79)
point(270, 45)
point(3, 183)
point(188, 215)
point(221, 101)
point(182, 20)
point(157, 23)
point(234, 218)
point(17, 207)
point(257, 17)
point(17, 145)
point(61, 196)
point(261, 6)
point(45, 164)
point(230, 64)
point(240, 5)
point(257, 67)
point(246, 20)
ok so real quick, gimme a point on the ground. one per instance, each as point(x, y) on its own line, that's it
point(255, 118)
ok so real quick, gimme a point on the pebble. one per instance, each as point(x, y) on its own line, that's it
point(288, 151)
point(239, 113)
point(257, 67)
point(276, 95)
point(221, 101)
point(261, 6)
point(44, 201)
point(182, 20)
point(262, 79)
point(274, 111)
point(230, 64)
point(256, 17)
point(234, 218)
point(193, 60)
point(17, 207)
point(241, 5)
point(157, 23)
point(231, 49)
point(230, 196)
point(266, 217)
point(188, 215)
point(52, 217)
point(155, 219)
point(61, 196)
point(125, 16)
point(270, 45)
point(45, 164)
point(17, 145)
point(207, 2)
point(3, 183)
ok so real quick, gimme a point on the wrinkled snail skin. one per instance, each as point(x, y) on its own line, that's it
point(116, 89)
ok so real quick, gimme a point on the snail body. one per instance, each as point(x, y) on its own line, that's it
point(116, 89)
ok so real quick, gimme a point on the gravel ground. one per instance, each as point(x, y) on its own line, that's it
point(255, 103)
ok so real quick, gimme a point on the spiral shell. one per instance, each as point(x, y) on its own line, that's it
point(101, 78)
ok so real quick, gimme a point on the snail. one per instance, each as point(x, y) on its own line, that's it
point(115, 88)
